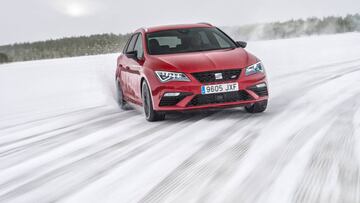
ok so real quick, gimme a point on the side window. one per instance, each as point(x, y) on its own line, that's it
point(139, 46)
point(131, 43)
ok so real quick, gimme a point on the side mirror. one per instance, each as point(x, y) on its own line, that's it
point(241, 44)
point(132, 55)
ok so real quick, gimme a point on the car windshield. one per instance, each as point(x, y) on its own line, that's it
point(187, 40)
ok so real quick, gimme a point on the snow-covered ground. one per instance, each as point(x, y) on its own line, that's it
point(63, 139)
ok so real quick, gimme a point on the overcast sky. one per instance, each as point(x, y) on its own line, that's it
point(32, 20)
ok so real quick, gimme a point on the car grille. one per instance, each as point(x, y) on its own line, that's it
point(261, 92)
point(200, 99)
point(207, 77)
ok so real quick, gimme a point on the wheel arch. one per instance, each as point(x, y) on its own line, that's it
point(143, 79)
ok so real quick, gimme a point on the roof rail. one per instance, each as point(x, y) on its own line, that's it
point(205, 23)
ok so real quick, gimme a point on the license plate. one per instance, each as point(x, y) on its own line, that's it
point(219, 88)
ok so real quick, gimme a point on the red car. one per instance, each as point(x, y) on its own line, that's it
point(188, 67)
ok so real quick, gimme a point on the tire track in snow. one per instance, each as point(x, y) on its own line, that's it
point(192, 169)
point(258, 182)
point(353, 69)
point(228, 162)
point(299, 139)
point(75, 155)
point(262, 177)
point(47, 118)
point(290, 95)
point(45, 130)
point(316, 69)
point(21, 153)
point(332, 164)
point(76, 169)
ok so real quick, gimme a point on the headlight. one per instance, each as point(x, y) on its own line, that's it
point(253, 69)
point(165, 76)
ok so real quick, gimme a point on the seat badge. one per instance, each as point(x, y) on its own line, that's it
point(218, 76)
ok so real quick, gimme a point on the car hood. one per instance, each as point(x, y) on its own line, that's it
point(205, 61)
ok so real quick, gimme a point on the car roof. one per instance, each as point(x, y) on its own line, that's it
point(174, 27)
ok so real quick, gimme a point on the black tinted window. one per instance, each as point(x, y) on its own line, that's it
point(187, 40)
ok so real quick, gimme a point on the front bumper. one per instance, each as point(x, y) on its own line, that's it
point(190, 97)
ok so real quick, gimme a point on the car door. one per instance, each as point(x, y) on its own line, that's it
point(125, 67)
point(135, 66)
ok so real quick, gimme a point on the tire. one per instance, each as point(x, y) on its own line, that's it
point(150, 114)
point(120, 96)
point(257, 107)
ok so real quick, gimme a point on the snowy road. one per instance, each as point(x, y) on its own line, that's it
point(62, 138)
